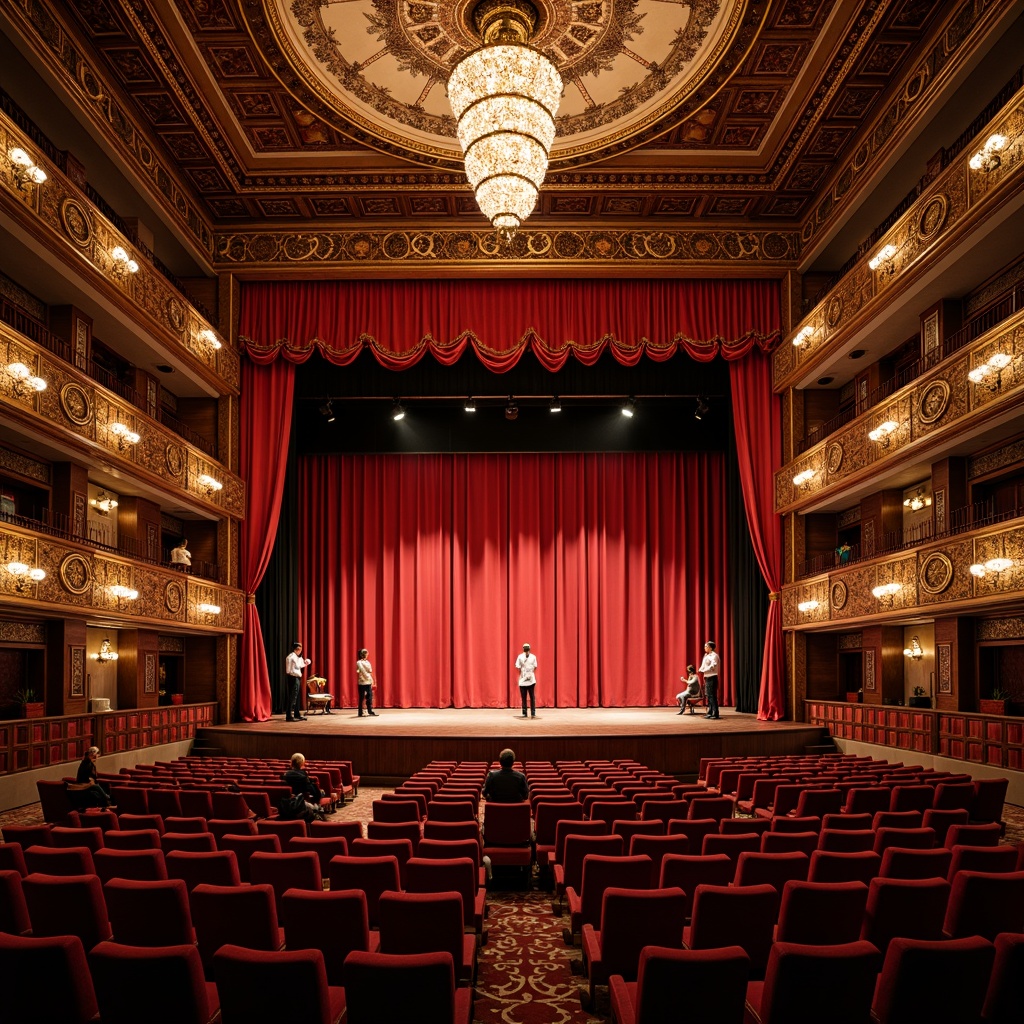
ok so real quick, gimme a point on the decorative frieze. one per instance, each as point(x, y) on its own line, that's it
point(22, 632)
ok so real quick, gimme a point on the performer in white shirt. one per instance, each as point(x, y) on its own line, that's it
point(364, 678)
point(709, 668)
point(527, 665)
point(294, 665)
point(180, 555)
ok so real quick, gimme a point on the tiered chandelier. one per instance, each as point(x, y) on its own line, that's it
point(505, 96)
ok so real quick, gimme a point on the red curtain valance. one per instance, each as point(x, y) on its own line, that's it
point(400, 321)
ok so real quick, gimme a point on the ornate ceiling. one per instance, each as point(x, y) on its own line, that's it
point(677, 114)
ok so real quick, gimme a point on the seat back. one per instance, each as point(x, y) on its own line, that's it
point(278, 985)
point(771, 868)
point(900, 862)
point(149, 913)
point(735, 916)
point(665, 809)
point(1005, 994)
point(821, 913)
point(600, 873)
point(846, 840)
point(973, 835)
point(657, 847)
point(382, 987)
point(454, 874)
point(981, 903)
point(566, 828)
point(293, 870)
point(911, 908)
point(577, 848)
point(507, 824)
point(632, 919)
point(396, 811)
point(196, 841)
point(687, 871)
point(284, 830)
point(372, 875)
point(451, 810)
point(132, 839)
point(867, 800)
point(789, 842)
point(422, 922)
point(911, 798)
point(400, 849)
point(906, 838)
point(240, 915)
point(716, 807)
point(67, 860)
point(942, 821)
point(141, 865)
point(196, 867)
point(987, 805)
point(46, 980)
point(334, 922)
point(53, 800)
point(244, 847)
point(69, 905)
point(91, 838)
point(951, 796)
point(14, 919)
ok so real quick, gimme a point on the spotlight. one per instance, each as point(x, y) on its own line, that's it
point(702, 408)
point(556, 404)
point(511, 410)
point(397, 412)
point(327, 411)
point(629, 408)
point(470, 405)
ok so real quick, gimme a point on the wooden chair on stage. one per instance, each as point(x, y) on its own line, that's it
point(316, 698)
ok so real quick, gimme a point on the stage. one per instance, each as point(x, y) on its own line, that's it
point(400, 741)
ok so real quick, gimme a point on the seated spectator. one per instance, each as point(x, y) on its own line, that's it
point(305, 787)
point(181, 557)
point(506, 786)
point(87, 790)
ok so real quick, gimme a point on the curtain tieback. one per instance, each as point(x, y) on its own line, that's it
point(250, 598)
point(774, 595)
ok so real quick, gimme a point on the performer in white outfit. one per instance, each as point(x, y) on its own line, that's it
point(527, 665)
point(294, 665)
point(709, 670)
point(364, 679)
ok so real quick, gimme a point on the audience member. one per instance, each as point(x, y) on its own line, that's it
point(304, 786)
point(87, 790)
point(506, 786)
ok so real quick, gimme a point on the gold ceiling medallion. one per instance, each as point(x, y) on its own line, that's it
point(505, 97)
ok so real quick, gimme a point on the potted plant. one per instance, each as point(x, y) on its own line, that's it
point(920, 698)
point(26, 700)
point(995, 704)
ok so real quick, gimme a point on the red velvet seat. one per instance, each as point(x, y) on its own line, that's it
point(12, 858)
point(132, 839)
point(348, 830)
point(28, 835)
point(905, 838)
point(149, 913)
point(421, 987)
point(244, 847)
point(142, 865)
point(205, 842)
point(221, 827)
point(1005, 995)
point(896, 819)
point(137, 822)
point(664, 809)
point(846, 840)
point(972, 835)
point(14, 919)
point(846, 822)
point(238, 915)
point(395, 830)
point(899, 862)
point(53, 860)
point(46, 980)
point(911, 908)
point(695, 829)
point(980, 903)
point(372, 875)
point(821, 913)
point(687, 871)
point(67, 905)
point(867, 800)
point(785, 823)
point(334, 922)
point(401, 849)
point(396, 811)
point(717, 807)
point(657, 847)
point(54, 801)
point(451, 810)
point(508, 834)
point(817, 803)
point(602, 872)
point(164, 802)
point(284, 830)
point(734, 916)
point(942, 821)
point(774, 869)
point(284, 871)
point(427, 922)
point(456, 874)
point(546, 818)
point(938, 982)
point(569, 870)
point(987, 804)
point(63, 837)
point(953, 796)
point(732, 846)
point(789, 842)
point(267, 987)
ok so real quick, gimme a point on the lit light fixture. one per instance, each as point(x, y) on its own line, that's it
point(210, 609)
point(889, 590)
point(105, 653)
point(24, 381)
point(327, 411)
point(883, 256)
point(470, 405)
point(504, 97)
point(995, 364)
point(397, 412)
point(629, 408)
point(917, 501)
point(987, 158)
point(702, 408)
point(103, 503)
point(807, 606)
point(24, 575)
point(511, 410)
point(914, 650)
point(209, 484)
point(25, 169)
point(803, 335)
point(119, 591)
point(993, 565)
point(209, 337)
point(556, 404)
point(803, 478)
point(124, 434)
point(881, 433)
point(123, 263)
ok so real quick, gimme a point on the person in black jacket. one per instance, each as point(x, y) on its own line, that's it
point(303, 784)
point(87, 790)
point(506, 786)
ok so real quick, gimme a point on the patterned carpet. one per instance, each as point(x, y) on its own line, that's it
point(526, 974)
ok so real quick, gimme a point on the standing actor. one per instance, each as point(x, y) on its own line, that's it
point(294, 665)
point(364, 678)
point(527, 665)
point(709, 670)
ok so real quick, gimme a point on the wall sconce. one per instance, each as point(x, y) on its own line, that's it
point(23, 380)
point(119, 591)
point(124, 434)
point(882, 257)
point(209, 484)
point(103, 503)
point(397, 411)
point(993, 565)
point(880, 435)
point(123, 263)
point(807, 606)
point(629, 408)
point(887, 590)
point(24, 575)
point(803, 335)
point(470, 405)
point(210, 609)
point(803, 478)
point(914, 650)
point(987, 158)
point(983, 374)
point(918, 501)
point(105, 653)
point(555, 405)
point(209, 337)
point(24, 169)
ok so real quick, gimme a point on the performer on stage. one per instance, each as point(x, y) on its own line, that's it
point(294, 665)
point(526, 663)
point(709, 670)
point(691, 692)
point(364, 678)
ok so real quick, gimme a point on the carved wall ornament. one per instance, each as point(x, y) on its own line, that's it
point(75, 574)
point(175, 312)
point(848, 518)
point(939, 502)
point(76, 404)
point(838, 595)
point(997, 458)
point(930, 333)
point(869, 669)
point(834, 310)
point(170, 644)
point(149, 683)
point(15, 462)
point(944, 662)
point(22, 632)
point(932, 218)
point(77, 675)
point(934, 401)
point(74, 218)
point(851, 641)
point(174, 596)
point(834, 457)
point(1010, 628)
point(936, 573)
point(175, 460)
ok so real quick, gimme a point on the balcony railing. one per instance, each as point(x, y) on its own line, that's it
point(960, 520)
point(1008, 304)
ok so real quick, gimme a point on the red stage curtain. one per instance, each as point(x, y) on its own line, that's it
point(266, 415)
point(757, 420)
point(400, 321)
point(444, 565)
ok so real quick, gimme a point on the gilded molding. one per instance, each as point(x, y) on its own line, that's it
point(305, 250)
point(997, 458)
point(22, 632)
point(1000, 629)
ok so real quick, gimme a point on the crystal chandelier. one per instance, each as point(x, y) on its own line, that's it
point(505, 96)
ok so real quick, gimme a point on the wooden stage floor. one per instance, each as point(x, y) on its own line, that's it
point(400, 741)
